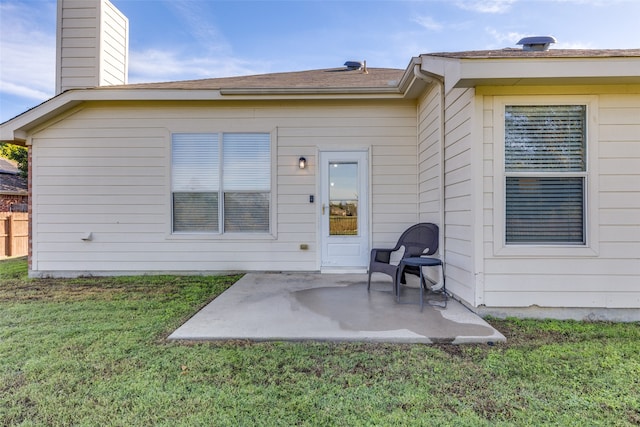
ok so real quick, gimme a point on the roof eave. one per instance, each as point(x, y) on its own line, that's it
point(552, 71)
point(410, 85)
point(15, 130)
point(471, 72)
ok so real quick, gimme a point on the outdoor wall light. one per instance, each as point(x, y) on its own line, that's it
point(302, 163)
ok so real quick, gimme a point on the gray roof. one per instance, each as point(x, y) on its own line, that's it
point(10, 180)
point(373, 78)
point(326, 78)
point(13, 185)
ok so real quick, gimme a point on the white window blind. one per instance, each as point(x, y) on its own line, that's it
point(247, 162)
point(545, 172)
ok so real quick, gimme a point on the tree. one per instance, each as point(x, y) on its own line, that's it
point(17, 154)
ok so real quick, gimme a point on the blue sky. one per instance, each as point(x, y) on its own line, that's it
point(192, 39)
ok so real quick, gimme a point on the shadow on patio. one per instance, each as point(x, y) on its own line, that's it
point(330, 307)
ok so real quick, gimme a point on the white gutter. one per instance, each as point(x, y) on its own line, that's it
point(438, 80)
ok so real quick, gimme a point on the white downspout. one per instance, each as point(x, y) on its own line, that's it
point(429, 78)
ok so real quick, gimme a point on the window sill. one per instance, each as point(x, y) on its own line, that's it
point(546, 251)
point(220, 237)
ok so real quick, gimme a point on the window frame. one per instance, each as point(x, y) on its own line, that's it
point(221, 234)
point(589, 175)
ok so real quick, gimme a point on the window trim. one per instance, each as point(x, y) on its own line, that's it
point(271, 234)
point(590, 247)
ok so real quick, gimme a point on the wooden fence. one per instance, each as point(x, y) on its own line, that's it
point(14, 234)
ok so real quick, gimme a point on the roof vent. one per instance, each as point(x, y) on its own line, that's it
point(537, 43)
point(354, 65)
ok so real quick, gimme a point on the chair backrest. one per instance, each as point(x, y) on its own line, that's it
point(419, 239)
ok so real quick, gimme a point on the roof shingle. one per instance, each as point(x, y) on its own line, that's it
point(312, 79)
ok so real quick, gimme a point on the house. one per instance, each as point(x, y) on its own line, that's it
point(528, 160)
point(13, 188)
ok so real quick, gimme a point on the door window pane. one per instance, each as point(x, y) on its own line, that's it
point(343, 199)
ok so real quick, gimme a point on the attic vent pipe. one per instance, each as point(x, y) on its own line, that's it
point(536, 43)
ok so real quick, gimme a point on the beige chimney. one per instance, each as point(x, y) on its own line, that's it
point(92, 45)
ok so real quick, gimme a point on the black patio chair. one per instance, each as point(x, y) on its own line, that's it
point(420, 240)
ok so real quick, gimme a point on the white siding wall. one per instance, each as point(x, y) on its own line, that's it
point(114, 64)
point(430, 156)
point(611, 277)
point(458, 204)
point(430, 135)
point(92, 45)
point(105, 169)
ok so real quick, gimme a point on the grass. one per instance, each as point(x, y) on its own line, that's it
point(92, 351)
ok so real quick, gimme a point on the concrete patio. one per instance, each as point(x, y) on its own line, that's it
point(332, 307)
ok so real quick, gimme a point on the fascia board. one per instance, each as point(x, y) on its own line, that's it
point(15, 130)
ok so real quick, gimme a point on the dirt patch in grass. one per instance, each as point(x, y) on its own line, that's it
point(60, 290)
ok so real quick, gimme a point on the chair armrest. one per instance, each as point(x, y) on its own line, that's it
point(381, 255)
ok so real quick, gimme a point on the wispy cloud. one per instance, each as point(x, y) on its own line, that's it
point(502, 39)
point(155, 65)
point(486, 6)
point(27, 56)
point(429, 23)
point(196, 20)
point(208, 54)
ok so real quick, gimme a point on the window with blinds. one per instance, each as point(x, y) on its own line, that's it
point(221, 183)
point(545, 173)
point(247, 182)
point(195, 182)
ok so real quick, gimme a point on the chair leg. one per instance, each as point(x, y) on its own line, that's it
point(444, 284)
point(440, 284)
point(423, 285)
point(396, 282)
point(369, 282)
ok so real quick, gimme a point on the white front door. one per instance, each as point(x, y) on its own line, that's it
point(344, 213)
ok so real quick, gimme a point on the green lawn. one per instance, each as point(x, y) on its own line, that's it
point(93, 352)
